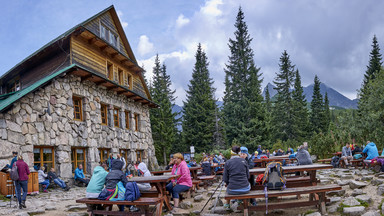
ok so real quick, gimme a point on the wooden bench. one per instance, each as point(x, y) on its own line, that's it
point(143, 203)
point(292, 182)
point(205, 179)
point(320, 200)
point(324, 161)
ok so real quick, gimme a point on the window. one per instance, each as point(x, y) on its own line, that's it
point(78, 157)
point(139, 155)
point(104, 114)
point(127, 119)
point(14, 85)
point(128, 80)
point(109, 36)
point(116, 117)
point(110, 70)
point(121, 76)
point(104, 154)
point(44, 156)
point(137, 120)
point(77, 108)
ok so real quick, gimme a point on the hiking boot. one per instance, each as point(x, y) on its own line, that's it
point(20, 207)
point(45, 191)
point(23, 204)
point(134, 209)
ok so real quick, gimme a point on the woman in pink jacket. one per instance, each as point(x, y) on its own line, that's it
point(183, 183)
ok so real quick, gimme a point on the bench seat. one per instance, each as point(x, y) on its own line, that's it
point(327, 160)
point(141, 202)
point(318, 189)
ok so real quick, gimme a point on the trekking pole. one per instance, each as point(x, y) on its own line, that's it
point(211, 196)
point(217, 198)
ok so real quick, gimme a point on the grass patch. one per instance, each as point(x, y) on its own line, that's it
point(4, 198)
point(341, 208)
point(381, 205)
point(363, 203)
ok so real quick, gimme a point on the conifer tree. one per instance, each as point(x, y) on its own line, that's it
point(163, 120)
point(243, 110)
point(200, 106)
point(299, 111)
point(317, 108)
point(282, 113)
point(327, 114)
point(267, 99)
point(375, 63)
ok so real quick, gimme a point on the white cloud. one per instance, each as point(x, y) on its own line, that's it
point(211, 8)
point(145, 46)
point(181, 21)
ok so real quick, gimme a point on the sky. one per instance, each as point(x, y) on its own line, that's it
point(330, 39)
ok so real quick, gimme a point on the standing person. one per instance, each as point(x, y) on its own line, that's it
point(371, 151)
point(118, 157)
point(23, 171)
point(109, 162)
point(142, 167)
point(43, 179)
point(181, 184)
point(14, 159)
point(259, 150)
point(53, 177)
point(236, 175)
point(79, 175)
point(346, 154)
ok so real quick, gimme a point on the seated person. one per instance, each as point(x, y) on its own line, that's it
point(170, 165)
point(53, 177)
point(357, 149)
point(79, 175)
point(181, 184)
point(371, 151)
point(114, 176)
point(346, 154)
point(96, 184)
point(206, 166)
point(43, 179)
point(236, 175)
point(279, 153)
point(192, 163)
point(289, 151)
point(303, 157)
point(142, 168)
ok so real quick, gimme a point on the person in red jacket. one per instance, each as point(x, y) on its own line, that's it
point(23, 170)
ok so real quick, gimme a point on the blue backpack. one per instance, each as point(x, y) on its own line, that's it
point(132, 192)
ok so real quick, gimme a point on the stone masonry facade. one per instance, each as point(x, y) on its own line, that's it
point(46, 118)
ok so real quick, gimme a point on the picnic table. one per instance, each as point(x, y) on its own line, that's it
point(160, 172)
point(194, 171)
point(160, 182)
point(263, 161)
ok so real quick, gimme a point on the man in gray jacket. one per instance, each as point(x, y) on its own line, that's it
point(346, 154)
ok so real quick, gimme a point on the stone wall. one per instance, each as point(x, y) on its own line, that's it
point(45, 118)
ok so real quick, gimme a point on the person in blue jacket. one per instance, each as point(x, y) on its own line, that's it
point(79, 175)
point(14, 159)
point(371, 151)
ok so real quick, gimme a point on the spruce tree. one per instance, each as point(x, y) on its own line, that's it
point(243, 110)
point(282, 113)
point(299, 111)
point(163, 120)
point(200, 106)
point(375, 63)
point(317, 108)
point(327, 114)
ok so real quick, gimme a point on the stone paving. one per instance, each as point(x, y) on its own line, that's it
point(362, 194)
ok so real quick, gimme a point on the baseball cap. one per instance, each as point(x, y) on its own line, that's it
point(244, 150)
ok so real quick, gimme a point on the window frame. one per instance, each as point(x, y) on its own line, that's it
point(101, 154)
point(80, 99)
point(139, 155)
point(109, 69)
point(116, 117)
point(41, 152)
point(104, 110)
point(14, 85)
point(120, 73)
point(137, 120)
point(74, 161)
point(125, 156)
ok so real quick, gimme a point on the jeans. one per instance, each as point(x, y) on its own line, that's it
point(46, 183)
point(175, 190)
point(24, 185)
point(239, 191)
point(60, 182)
point(86, 181)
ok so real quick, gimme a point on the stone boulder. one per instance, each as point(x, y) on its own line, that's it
point(198, 198)
point(351, 201)
point(356, 184)
point(314, 214)
point(377, 181)
point(357, 192)
point(371, 213)
point(343, 182)
point(186, 205)
point(364, 198)
point(354, 211)
point(366, 178)
point(337, 193)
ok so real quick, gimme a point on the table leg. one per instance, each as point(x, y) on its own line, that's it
point(160, 186)
point(245, 204)
point(312, 175)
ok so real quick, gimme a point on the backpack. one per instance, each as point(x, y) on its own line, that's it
point(273, 176)
point(119, 193)
point(132, 192)
point(206, 168)
point(14, 173)
point(357, 156)
point(259, 179)
point(335, 161)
